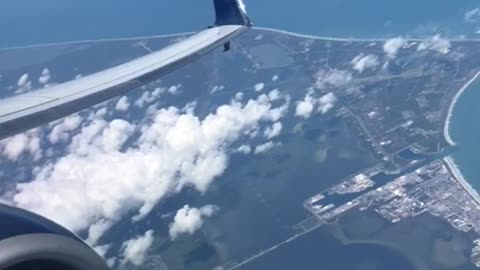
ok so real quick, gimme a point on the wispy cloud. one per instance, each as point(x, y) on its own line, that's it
point(472, 16)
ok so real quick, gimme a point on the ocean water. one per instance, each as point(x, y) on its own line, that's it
point(24, 22)
point(465, 131)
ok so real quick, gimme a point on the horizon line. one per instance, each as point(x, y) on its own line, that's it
point(271, 29)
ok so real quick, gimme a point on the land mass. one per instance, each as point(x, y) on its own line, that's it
point(375, 149)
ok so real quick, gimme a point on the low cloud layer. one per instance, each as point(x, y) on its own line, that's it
point(147, 161)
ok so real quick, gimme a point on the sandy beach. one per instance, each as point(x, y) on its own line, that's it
point(446, 133)
point(446, 129)
point(461, 180)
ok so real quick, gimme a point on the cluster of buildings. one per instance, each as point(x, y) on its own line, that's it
point(432, 188)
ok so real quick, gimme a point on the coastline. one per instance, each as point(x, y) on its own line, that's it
point(450, 162)
point(452, 166)
point(295, 34)
point(354, 39)
point(446, 128)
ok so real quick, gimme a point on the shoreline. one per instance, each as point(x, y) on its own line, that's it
point(450, 162)
point(452, 166)
point(446, 128)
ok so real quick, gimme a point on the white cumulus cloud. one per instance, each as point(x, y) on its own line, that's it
point(326, 102)
point(435, 43)
point(273, 131)
point(274, 94)
point(174, 89)
point(306, 107)
point(45, 76)
point(136, 249)
point(97, 230)
point(363, 62)
point(23, 80)
point(188, 220)
point(244, 149)
point(25, 143)
point(259, 87)
point(393, 45)
point(62, 130)
point(262, 148)
point(332, 78)
point(102, 178)
point(123, 104)
point(24, 84)
point(101, 250)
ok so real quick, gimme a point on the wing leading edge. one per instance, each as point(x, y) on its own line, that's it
point(26, 111)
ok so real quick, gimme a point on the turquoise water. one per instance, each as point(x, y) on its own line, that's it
point(24, 22)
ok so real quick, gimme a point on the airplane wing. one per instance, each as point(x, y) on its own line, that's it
point(22, 112)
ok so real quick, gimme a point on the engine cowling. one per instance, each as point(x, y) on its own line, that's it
point(32, 242)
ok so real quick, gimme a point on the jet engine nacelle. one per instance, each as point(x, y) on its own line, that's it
point(31, 242)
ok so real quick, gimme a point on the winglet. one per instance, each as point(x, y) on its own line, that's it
point(231, 12)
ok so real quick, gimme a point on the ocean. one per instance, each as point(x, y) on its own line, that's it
point(25, 22)
point(465, 132)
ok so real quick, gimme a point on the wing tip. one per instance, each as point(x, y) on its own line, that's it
point(231, 12)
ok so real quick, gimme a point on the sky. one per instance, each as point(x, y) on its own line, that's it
point(24, 22)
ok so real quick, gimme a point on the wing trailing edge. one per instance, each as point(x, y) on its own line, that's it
point(23, 112)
